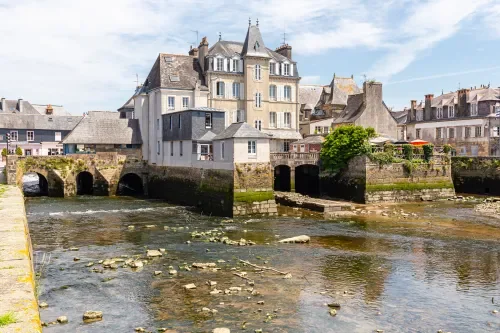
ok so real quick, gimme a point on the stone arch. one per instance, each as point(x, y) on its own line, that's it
point(35, 184)
point(54, 182)
point(307, 179)
point(130, 184)
point(282, 178)
point(84, 183)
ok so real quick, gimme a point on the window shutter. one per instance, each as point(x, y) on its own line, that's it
point(242, 91)
point(277, 68)
point(241, 65)
point(225, 65)
point(214, 89)
point(291, 70)
point(227, 89)
point(210, 63)
point(292, 97)
point(230, 65)
point(282, 68)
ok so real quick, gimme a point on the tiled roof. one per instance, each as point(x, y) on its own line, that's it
point(12, 106)
point(400, 116)
point(309, 95)
point(312, 139)
point(57, 110)
point(38, 122)
point(340, 88)
point(230, 49)
point(352, 111)
point(105, 127)
point(240, 130)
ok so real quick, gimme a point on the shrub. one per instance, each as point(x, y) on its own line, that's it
point(408, 152)
point(389, 148)
point(428, 151)
point(447, 149)
point(382, 158)
point(19, 151)
point(4, 152)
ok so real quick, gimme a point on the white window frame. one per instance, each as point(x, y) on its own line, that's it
point(57, 134)
point(273, 118)
point(286, 145)
point(473, 110)
point(287, 120)
point(219, 64)
point(497, 110)
point(273, 89)
point(467, 132)
point(185, 105)
point(451, 133)
point(439, 133)
point(439, 113)
point(287, 93)
point(286, 69)
point(257, 72)
point(252, 147)
point(236, 90)
point(451, 111)
point(272, 68)
point(418, 133)
point(28, 136)
point(171, 102)
point(478, 129)
point(258, 124)
point(258, 100)
point(318, 129)
point(220, 87)
point(208, 116)
point(496, 131)
point(12, 136)
point(236, 64)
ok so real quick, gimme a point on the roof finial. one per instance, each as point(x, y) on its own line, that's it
point(249, 21)
point(257, 23)
point(220, 36)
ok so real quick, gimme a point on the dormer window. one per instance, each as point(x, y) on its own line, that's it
point(236, 65)
point(257, 45)
point(220, 64)
point(286, 70)
point(451, 111)
point(439, 113)
point(272, 68)
point(473, 109)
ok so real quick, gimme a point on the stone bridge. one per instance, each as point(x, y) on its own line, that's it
point(69, 175)
point(296, 172)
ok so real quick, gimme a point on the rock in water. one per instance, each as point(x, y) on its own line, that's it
point(189, 286)
point(333, 312)
point(221, 330)
point(136, 264)
point(154, 253)
point(92, 315)
point(62, 320)
point(43, 305)
point(297, 239)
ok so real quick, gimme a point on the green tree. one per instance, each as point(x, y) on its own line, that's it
point(344, 143)
point(19, 151)
point(4, 152)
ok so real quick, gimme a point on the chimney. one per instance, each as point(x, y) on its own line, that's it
point(20, 105)
point(413, 106)
point(463, 96)
point(428, 108)
point(285, 50)
point(49, 109)
point(193, 52)
point(202, 53)
point(372, 94)
point(3, 105)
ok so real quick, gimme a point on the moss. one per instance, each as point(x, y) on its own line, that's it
point(408, 186)
point(253, 196)
point(7, 319)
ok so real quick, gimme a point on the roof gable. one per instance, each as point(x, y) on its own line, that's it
point(240, 130)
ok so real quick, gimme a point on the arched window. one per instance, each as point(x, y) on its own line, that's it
point(288, 93)
point(258, 100)
point(272, 92)
point(220, 89)
point(257, 74)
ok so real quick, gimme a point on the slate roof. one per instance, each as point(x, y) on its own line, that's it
point(352, 111)
point(12, 106)
point(105, 127)
point(400, 116)
point(254, 44)
point(38, 122)
point(240, 130)
point(340, 88)
point(309, 96)
point(130, 103)
point(57, 110)
point(285, 134)
point(208, 136)
point(175, 71)
point(312, 139)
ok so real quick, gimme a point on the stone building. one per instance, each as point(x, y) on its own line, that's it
point(334, 97)
point(467, 119)
point(309, 96)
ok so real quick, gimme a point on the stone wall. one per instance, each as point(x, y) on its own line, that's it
point(476, 175)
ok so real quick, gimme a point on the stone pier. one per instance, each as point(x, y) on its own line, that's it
point(17, 278)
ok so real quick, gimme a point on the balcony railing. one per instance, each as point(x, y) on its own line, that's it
point(294, 156)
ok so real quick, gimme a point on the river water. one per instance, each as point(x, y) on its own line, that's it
point(437, 270)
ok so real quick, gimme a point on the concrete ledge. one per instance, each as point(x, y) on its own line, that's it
point(17, 281)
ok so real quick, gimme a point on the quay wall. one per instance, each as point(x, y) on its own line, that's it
point(476, 175)
point(17, 277)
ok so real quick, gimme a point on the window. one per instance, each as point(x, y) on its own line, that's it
point(318, 129)
point(287, 119)
point(451, 133)
point(478, 131)
point(272, 68)
point(420, 115)
point(170, 120)
point(171, 102)
point(257, 74)
point(157, 124)
point(222, 149)
point(220, 89)
point(497, 110)
point(236, 90)
point(439, 113)
point(205, 153)
point(473, 110)
point(417, 133)
point(496, 132)
point(286, 69)
point(236, 65)
point(180, 148)
point(272, 92)
point(451, 111)
point(30, 136)
point(220, 64)
point(14, 136)
point(208, 120)
point(272, 119)
point(58, 136)
point(288, 93)
point(171, 148)
point(439, 133)
point(185, 102)
point(252, 147)
point(258, 100)
point(326, 129)
point(158, 147)
point(286, 146)
point(180, 121)
point(258, 124)
point(467, 132)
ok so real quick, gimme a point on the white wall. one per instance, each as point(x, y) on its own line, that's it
point(227, 162)
point(176, 160)
point(241, 151)
point(141, 111)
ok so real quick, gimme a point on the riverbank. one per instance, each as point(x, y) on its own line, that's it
point(17, 282)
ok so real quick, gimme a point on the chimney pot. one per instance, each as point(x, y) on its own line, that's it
point(285, 50)
point(20, 105)
point(193, 52)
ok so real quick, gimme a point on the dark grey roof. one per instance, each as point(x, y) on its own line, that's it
point(240, 130)
point(309, 96)
point(175, 71)
point(130, 103)
point(38, 122)
point(105, 127)
point(201, 108)
point(12, 106)
point(352, 111)
point(340, 88)
point(208, 136)
point(312, 139)
point(254, 44)
point(400, 116)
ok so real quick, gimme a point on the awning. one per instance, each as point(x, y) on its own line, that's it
point(419, 142)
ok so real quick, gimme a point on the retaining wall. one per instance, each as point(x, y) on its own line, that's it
point(17, 283)
point(476, 175)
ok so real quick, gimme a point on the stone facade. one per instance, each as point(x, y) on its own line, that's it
point(476, 175)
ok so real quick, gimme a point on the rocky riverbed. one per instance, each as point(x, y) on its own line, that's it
point(134, 265)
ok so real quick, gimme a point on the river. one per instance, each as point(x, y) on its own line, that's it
point(439, 269)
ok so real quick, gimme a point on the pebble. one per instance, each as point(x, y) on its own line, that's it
point(74, 249)
point(260, 302)
point(162, 250)
point(211, 283)
point(189, 286)
point(494, 311)
point(136, 264)
point(62, 319)
point(153, 253)
point(221, 330)
point(333, 312)
point(140, 329)
point(90, 264)
point(43, 305)
point(172, 272)
point(131, 227)
point(76, 259)
point(151, 226)
point(92, 315)
point(287, 276)
point(157, 273)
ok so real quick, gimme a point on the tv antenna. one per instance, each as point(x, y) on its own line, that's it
point(136, 79)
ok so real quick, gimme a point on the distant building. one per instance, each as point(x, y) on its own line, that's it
point(317, 126)
point(334, 97)
point(309, 96)
point(104, 131)
point(468, 119)
point(310, 144)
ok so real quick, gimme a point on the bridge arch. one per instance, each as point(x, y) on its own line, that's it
point(307, 179)
point(130, 184)
point(84, 183)
point(35, 184)
point(282, 178)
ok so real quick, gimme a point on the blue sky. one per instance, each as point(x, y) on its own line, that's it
point(85, 54)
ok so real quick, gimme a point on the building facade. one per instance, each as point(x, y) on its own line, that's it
point(468, 119)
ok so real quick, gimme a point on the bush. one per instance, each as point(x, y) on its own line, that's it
point(428, 151)
point(4, 152)
point(418, 151)
point(408, 152)
point(19, 151)
point(344, 143)
point(447, 149)
point(389, 148)
point(382, 158)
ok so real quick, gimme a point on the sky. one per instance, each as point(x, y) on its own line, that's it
point(85, 54)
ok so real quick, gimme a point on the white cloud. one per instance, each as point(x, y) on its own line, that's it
point(440, 76)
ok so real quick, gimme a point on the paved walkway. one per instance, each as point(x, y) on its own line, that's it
point(17, 283)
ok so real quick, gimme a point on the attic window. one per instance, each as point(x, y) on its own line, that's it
point(169, 59)
point(70, 120)
point(51, 119)
point(174, 78)
point(257, 45)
